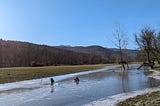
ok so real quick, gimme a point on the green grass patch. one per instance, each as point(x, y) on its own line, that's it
point(26, 73)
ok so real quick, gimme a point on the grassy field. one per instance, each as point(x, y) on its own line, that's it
point(26, 73)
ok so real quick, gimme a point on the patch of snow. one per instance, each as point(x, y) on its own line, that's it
point(155, 74)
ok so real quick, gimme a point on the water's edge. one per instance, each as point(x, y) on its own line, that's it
point(113, 100)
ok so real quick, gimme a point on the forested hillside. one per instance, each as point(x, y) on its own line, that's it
point(109, 54)
point(24, 54)
point(20, 54)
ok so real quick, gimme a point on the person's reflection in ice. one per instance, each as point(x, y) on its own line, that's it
point(77, 82)
point(52, 89)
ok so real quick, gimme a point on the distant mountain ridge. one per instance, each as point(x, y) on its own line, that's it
point(108, 53)
point(24, 54)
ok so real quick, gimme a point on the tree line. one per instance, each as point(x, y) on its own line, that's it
point(23, 54)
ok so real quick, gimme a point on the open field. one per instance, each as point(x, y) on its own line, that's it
point(27, 73)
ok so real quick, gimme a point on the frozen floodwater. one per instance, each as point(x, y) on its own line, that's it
point(93, 86)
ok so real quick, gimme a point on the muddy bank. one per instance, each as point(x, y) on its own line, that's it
point(149, 99)
point(115, 99)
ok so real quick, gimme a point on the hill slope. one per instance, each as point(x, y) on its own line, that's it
point(107, 53)
point(24, 54)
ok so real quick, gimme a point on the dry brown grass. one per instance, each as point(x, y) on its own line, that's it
point(26, 73)
point(152, 99)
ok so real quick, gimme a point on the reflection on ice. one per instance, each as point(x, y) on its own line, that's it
point(52, 89)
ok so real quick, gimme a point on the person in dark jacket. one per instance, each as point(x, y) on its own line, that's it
point(77, 80)
point(52, 81)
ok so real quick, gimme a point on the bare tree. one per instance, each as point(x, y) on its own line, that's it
point(156, 47)
point(145, 41)
point(121, 42)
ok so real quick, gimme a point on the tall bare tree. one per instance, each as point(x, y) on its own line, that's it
point(145, 41)
point(156, 47)
point(121, 42)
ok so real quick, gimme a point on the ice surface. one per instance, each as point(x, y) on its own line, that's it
point(113, 100)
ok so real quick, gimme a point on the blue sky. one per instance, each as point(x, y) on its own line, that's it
point(75, 22)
